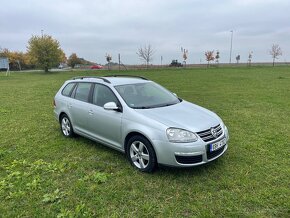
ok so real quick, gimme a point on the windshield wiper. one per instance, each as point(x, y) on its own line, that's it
point(155, 106)
point(168, 104)
point(143, 107)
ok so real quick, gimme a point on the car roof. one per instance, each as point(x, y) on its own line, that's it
point(112, 80)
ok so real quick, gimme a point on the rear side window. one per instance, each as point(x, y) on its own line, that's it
point(68, 89)
point(83, 91)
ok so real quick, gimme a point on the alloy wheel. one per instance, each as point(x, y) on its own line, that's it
point(65, 126)
point(139, 154)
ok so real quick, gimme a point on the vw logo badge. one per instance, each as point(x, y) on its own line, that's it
point(214, 132)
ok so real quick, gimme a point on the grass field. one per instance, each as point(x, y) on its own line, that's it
point(43, 174)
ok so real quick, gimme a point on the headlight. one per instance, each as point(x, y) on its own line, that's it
point(180, 135)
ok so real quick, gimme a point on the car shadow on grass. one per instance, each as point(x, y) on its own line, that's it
point(200, 169)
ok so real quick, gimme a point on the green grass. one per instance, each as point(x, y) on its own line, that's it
point(43, 174)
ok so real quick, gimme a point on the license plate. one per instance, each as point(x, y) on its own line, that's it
point(217, 145)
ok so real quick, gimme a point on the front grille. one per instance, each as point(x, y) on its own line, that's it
point(207, 136)
point(188, 159)
point(213, 154)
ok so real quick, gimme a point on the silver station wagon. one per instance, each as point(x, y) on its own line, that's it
point(142, 119)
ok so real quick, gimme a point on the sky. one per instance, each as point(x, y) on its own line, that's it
point(93, 28)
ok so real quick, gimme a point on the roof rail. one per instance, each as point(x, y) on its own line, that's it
point(120, 75)
point(97, 77)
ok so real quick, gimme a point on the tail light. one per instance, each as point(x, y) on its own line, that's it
point(54, 105)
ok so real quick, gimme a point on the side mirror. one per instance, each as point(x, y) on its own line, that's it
point(111, 106)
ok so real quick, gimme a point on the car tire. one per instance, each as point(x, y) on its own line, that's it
point(66, 126)
point(141, 154)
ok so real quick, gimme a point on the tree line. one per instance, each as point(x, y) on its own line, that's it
point(146, 54)
point(275, 52)
point(45, 52)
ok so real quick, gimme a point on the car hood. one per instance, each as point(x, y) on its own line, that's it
point(183, 115)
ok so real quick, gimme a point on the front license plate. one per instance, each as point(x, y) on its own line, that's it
point(217, 145)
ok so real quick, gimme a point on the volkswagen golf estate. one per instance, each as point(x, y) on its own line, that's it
point(142, 119)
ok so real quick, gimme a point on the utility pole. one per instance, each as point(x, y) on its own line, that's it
point(231, 46)
point(119, 58)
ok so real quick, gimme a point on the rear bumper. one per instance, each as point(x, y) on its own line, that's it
point(56, 115)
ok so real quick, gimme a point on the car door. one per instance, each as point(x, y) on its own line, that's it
point(105, 125)
point(79, 106)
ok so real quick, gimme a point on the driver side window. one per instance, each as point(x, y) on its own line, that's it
point(102, 95)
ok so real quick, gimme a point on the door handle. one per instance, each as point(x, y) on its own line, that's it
point(91, 112)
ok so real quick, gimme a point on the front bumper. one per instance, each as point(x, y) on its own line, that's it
point(187, 154)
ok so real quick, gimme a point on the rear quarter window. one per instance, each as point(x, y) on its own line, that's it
point(83, 91)
point(67, 90)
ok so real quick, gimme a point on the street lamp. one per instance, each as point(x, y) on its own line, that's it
point(231, 46)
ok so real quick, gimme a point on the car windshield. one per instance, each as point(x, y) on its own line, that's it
point(146, 95)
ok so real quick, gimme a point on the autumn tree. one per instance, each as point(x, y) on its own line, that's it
point(63, 57)
point(45, 51)
point(4, 52)
point(209, 56)
point(184, 55)
point(275, 52)
point(73, 60)
point(146, 54)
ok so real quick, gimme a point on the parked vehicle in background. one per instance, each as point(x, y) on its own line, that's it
point(142, 119)
point(96, 66)
point(62, 66)
point(175, 63)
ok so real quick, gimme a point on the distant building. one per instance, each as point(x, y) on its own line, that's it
point(4, 64)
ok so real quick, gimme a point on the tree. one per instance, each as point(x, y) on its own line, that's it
point(217, 57)
point(209, 56)
point(146, 54)
point(108, 59)
point(250, 58)
point(44, 51)
point(184, 55)
point(275, 52)
point(73, 60)
point(238, 58)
